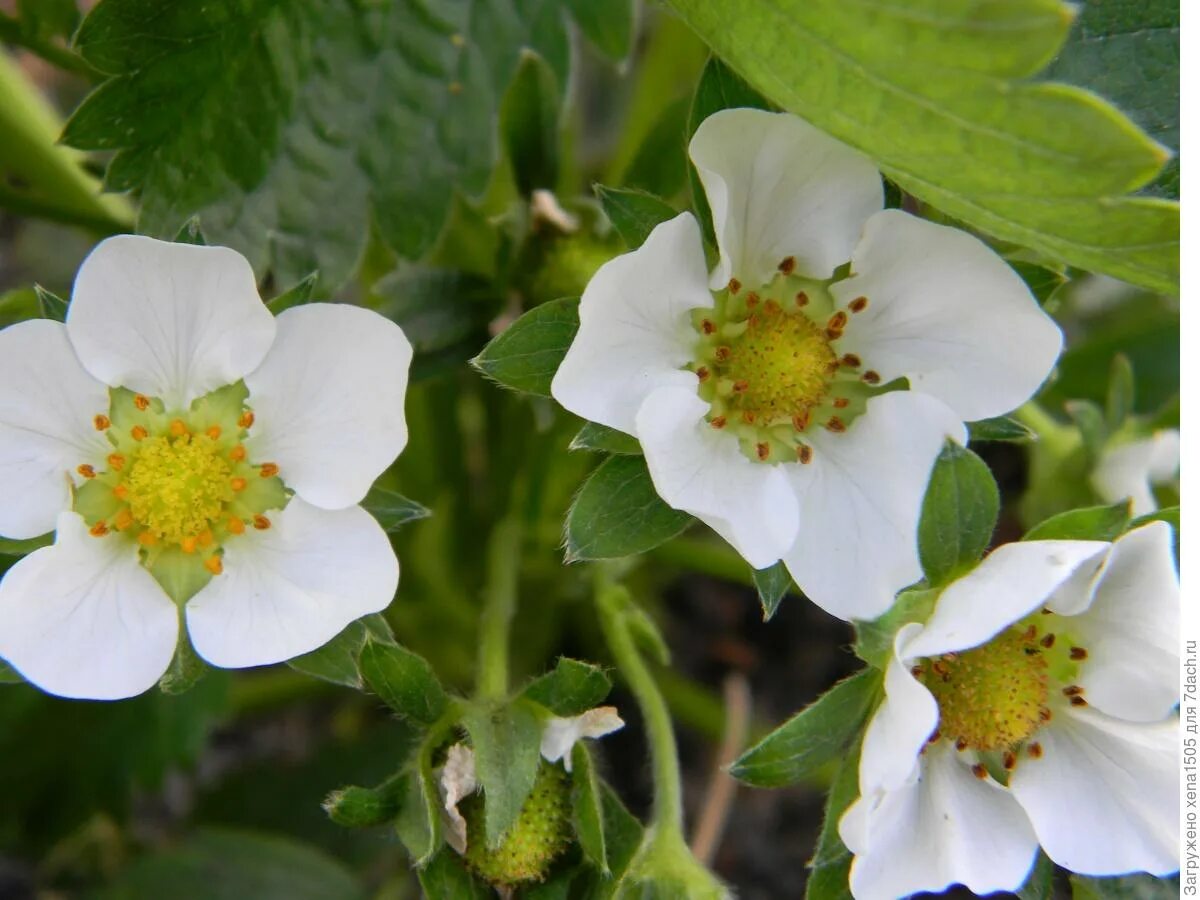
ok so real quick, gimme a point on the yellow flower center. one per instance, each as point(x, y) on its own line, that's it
point(178, 486)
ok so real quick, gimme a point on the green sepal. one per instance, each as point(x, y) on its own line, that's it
point(1092, 523)
point(958, 515)
point(587, 810)
point(298, 294)
point(9, 675)
point(1124, 887)
point(1040, 883)
point(362, 807)
point(9, 547)
point(874, 639)
point(799, 748)
point(403, 680)
point(772, 585)
point(51, 305)
point(95, 501)
point(1118, 404)
point(418, 821)
point(391, 509)
point(1042, 281)
point(506, 740)
point(1089, 419)
point(181, 575)
point(1003, 429)
point(190, 232)
point(571, 688)
point(633, 213)
point(601, 438)
point(186, 665)
point(223, 407)
point(337, 661)
point(526, 355)
point(829, 876)
point(446, 877)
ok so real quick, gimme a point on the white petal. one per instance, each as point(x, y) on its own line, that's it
point(84, 619)
point(1011, 582)
point(1104, 797)
point(860, 501)
point(47, 404)
point(168, 320)
point(949, 314)
point(702, 471)
point(1129, 470)
point(456, 780)
point(328, 401)
point(1131, 629)
point(561, 734)
point(778, 187)
point(635, 328)
point(293, 587)
point(945, 827)
point(900, 727)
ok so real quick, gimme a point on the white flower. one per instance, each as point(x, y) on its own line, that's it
point(186, 444)
point(1052, 667)
point(561, 734)
point(1130, 470)
point(765, 397)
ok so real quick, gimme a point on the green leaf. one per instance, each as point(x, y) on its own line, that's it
point(1127, 887)
point(529, 125)
point(297, 295)
point(51, 305)
point(337, 661)
point(228, 863)
point(1089, 419)
point(829, 875)
point(291, 128)
point(618, 513)
point(587, 811)
point(606, 23)
point(507, 742)
point(186, 666)
point(191, 232)
point(1093, 523)
point(772, 585)
point(572, 688)
point(1001, 428)
point(594, 436)
point(446, 878)
point(10, 547)
point(46, 18)
point(1128, 51)
point(8, 675)
point(798, 748)
point(391, 509)
point(1118, 405)
point(363, 807)
point(403, 680)
point(660, 166)
point(1040, 883)
point(719, 88)
point(938, 94)
point(526, 355)
point(1042, 281)
point(959, 513)
point(633, 213)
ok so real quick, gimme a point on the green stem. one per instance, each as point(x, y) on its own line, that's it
point(611, 601)
point(1058, 438)
point(11, 32)
point(499, 604)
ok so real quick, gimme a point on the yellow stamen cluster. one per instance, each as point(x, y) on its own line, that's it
point(178, 486)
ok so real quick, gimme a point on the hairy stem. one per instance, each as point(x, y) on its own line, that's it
point(499, 604)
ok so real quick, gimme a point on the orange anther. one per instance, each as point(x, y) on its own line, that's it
point(116, 462)
point(268, 470)
point(740, 387)
point(246, 419)
point(871, 376)
point(1048, 641)
point(1078, 701)
point(734, 285)
point(751, 300)
point(749, 417)
point(261, 522)
point(147, 539)
point(141, 401)
point(205, 538)
point(1010, 760)
point(788, 265)
point(935, 737)
point(122, 520)
point(763, 450)
point(178, 428)
point(800, 420)
point(917, 671)
point(238, 484)
point(236, 525)
point(835, 424)
point(858, 304)
point(1034, 750)
point(138, 433)
point(100, 529)
point(722, 353)
point(702, 373)
point(188, 544)
point(102, 422)
point(1030, 633)
point(120, 492)
point(851, 360)
point(86, 471)
point(960, 745)
point(801, 298)
point(238, 453)
point(708, 326)
point(1078, 653)
point(717, 422)
point(1072, 690)
point(840, 402)
point(213, 431)
point(213, 564)
point(979, 770)
point(804, 453)
point(837, 321)
point(1044, 714)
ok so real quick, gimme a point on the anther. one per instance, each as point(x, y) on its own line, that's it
point(122, 520)
point(979, 770)
point(960, 745)
point(120, 492)
point(1046, 612)
point(858, 304)
point(1030, 633)
point(238, 484)
point(871, 376)
point(147, 539)
point(1078, 653)
point(261, 522)
point(188, 544)
point(917, 671)
point(702, 373)
point(1045, 714)
point(751, 300)
point(708, 326)
point(941, 670)
point(268, 470)
point(801, 298)
point(740, 387)
point(717, 422)
point(238, 453)
point(116, 462)
point(734, 285)
point(214, 432)
point(1073, 690)
point(837, 322)
point(749, 417)
point(935, 737)
point(763, 450)
point(835, 424)
point(788, 265)
point(800, 421)
point(722, 353)
point(141, 401)
point(246, 419)
point(205, 538)
point(213, 564)
point(178, 428)
point(86, 471)
point(1010, 760)
point(1048, 641)
point(1078, 701)
point(840, 402)
point(138, 433)
point(236, 525)
point(851, 361)
point(102, 423)
point(100, 529)
point(804, 453)
point(1034, 750)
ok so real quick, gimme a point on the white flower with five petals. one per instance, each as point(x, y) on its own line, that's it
point(769, 398)
point(1034, 707)
point(201, 462)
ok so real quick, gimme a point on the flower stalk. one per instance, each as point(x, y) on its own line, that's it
point(499, 605)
